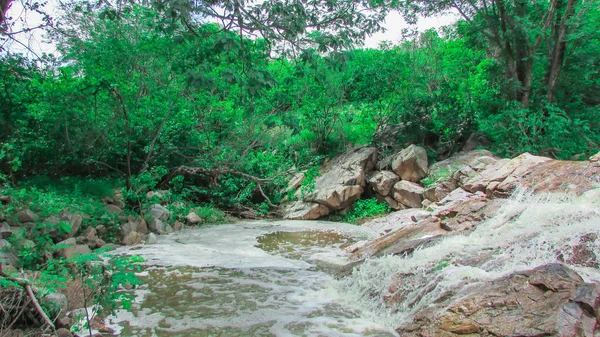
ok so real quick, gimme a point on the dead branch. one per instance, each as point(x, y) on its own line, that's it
point(25, 284)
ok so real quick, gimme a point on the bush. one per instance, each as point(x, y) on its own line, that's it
point(365, 209)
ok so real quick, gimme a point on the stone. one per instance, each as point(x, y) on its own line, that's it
point(382, 182)
point(177, 226)
point(411, 163)
point(192, 218)
point(62, 332)
point(408, 194)
point(595, 158)
point(458, 160)
point(151, 239)
point(5, 199)
point(75, 250)
point(8, 256)
point(5, 231)
point(159, 212)
point(133, 238)
point(27, 216)
point(128, 227)
point(75, 222)
point(395, 205)
point(65, 322)
point(58, 304)
point(397, 220)
point(475, 140)
point(142, 226)
point(343, 180)
point(113, 209)
point(295, 182)
point(300, 210)
point(160, 227)
point(440, 189)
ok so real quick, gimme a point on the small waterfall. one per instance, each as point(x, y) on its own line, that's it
point(527, 231)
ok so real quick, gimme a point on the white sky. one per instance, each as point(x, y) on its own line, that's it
point(36, 41)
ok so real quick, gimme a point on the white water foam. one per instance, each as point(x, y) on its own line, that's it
point(526, 232)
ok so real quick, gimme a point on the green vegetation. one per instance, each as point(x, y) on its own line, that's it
point(366, 209)
point(209, 117)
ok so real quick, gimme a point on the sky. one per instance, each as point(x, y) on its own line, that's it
point(37, 42)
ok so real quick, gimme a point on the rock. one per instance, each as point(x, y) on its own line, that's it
point(65, 322)
point(440, 189)
point(476, 140)
point(142, 227)
point(128, 228)
point(408, 194)
point(343, 180)
point(300, 210)
point(501, 170)
point(382, 182)
point(8, 256)
point(91, 237)
point(411, 163)
point(5, 199)
point(113, 209)
point(458, 160)
point(75, 250)
point(192, 218)
point(540, 302)
point(5, 231)
point(177, 226)
point(159, 212)
point(397, 220)
point(160, 227)
point(27, 216)
point(133, 238)
point(62, 332)
point(295, 182)
point(57, 303)
point(595, 158)
point(75, 222)
point(151, 239)
point(395, 205)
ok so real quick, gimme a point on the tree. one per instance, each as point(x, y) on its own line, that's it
point(520, 34)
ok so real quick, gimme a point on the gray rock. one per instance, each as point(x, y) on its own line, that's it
point(160, 227)
point(159, 212)
point(113, 209)
point(128, 228)
point(8, 256)
point(151, 239)
point(75, 250)
point(142, 226)
point(5, 231)
point(300, 210)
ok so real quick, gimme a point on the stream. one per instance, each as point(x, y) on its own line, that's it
point(255, 278)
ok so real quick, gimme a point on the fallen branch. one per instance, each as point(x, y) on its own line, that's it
point(25, 284)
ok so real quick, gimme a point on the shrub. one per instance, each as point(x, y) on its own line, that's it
point(365, 209)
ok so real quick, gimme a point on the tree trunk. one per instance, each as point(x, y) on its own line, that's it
point(4, 6)
point(557, 51)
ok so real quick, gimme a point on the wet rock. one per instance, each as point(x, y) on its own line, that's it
point(408, 194)
point(133, 238)
point(192, 218)
point(160, 227)
point(382, 182)
point(301, 210)
point(151, 239)
point(27, 216)
point(397, 220)
point(582, 253)
point(159, 212)
point(411, 163)
point(539, 302)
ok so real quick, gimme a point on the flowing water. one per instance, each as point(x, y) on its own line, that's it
point(526, 232)
point(246, 279)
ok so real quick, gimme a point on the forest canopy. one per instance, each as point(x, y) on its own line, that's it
point(243, 93)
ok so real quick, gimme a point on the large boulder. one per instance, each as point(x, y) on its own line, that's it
point(551, 300)
point(159, 212)
point(133, 238)
point(342, 181)
point(5, 231)
point(382, 182)
point(408, 194)
point(440, 189)
point(301, 210)
point(160, 227)
point(411, 163)
point(192, 218)
point(27, 216)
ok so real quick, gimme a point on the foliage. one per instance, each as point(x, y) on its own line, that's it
point(365, 209)
point(436, 175)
